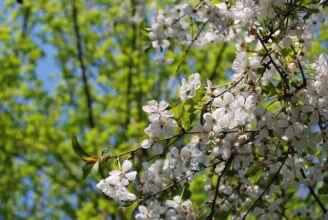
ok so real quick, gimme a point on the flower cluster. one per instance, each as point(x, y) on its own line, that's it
point(253, 141)
point(172, 209)
point(114, 186)
point(161, 124)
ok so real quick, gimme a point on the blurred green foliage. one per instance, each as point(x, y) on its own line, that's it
point(42, 107)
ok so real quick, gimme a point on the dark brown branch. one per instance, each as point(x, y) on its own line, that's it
point(27, 13)
point(130, 71)
point(82, 65)
point(281, 73)
point(212, 214)
point(267, 187)
point(317, 199)
point(198, 5)
point(301, 70)
point(226, 90)
point(167, 188)
point(190, 45)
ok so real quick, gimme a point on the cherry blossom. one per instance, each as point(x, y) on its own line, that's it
point(252, 139)
point(189, 87)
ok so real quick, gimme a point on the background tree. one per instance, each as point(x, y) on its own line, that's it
point(86, 68)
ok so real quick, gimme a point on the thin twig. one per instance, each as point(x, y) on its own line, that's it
point(317, 199)
point(226, 90)
point(190, 45)
point(178, 181)
point(210, 217)
point(281, 73)
point(27, 13)
point(82, 65)
point(130, 70)
point(267, 187)
point(301, 70)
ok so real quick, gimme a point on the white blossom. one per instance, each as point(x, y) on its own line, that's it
point(188, 88)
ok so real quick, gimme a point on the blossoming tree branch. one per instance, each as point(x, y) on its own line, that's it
point(253, 141)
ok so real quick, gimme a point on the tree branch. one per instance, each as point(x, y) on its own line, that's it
point(82, 65)
point(27, 13)
point(131, 65)
point(178, 181)
point(281, 72)
point(317, 199)
point(211, 216)
point(301, 70)
point(267, 187)
point(190, 45)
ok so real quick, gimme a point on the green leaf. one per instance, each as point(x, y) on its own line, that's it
point(186, 192)
point(129, 210)
point(78, 149)
point(86, 170)
point(101, 167)
point(271, 90)
point(323, 189)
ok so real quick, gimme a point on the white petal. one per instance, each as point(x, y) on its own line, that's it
point(177, 199)
point(143, 209)
point(101, 184)
point(113, 180)
point(239, 103)
point(153, 117)
point(115, 173)
point(171, 123)
point(218, 102)
point(255, 63)
point(131, 175)
point(168, 113)
point(126, 165)
point(124, 182)
point(146, 144)
point(228, 98)
point(163, 105)
point(249, 102)
point(207, 116)
point(129, 196)
point(171, 204)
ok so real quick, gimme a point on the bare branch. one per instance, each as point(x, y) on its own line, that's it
point(316, 197)
point(82, 65)
point(212, 214)
point(190, 45)
point(267, 187)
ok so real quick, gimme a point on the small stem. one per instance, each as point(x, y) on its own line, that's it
point(83, 68)
point(267, 187)
point(190, 45)
point(178, 181)
point(210, 217)
point(317, 199)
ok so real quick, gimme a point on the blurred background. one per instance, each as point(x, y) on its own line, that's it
point(85, 68)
